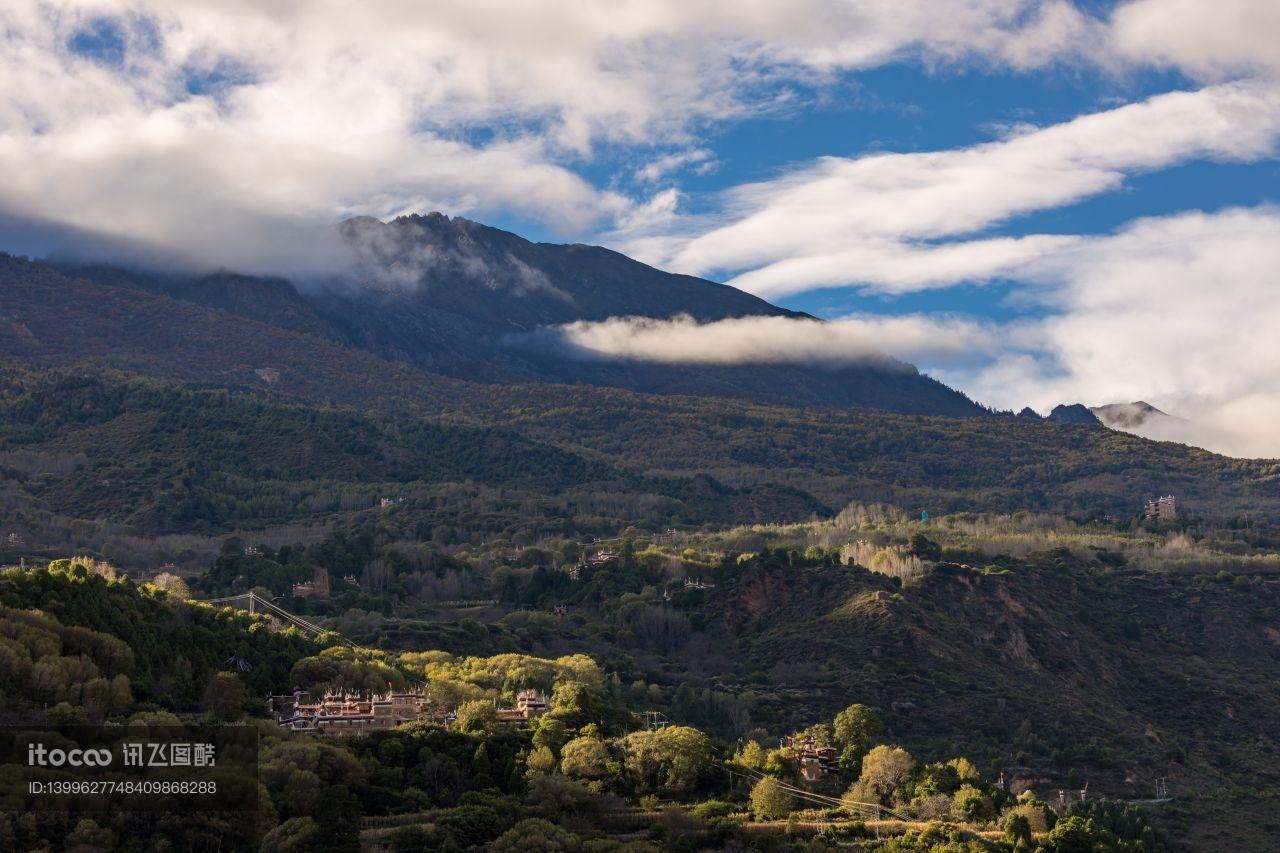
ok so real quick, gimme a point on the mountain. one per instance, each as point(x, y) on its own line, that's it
point(53, 322)
point(1075, 413)
point(1129, 416)
point(462, 299)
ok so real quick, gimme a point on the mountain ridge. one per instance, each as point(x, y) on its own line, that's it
point(446, 296)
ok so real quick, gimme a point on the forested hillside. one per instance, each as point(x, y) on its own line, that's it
point(960, 686)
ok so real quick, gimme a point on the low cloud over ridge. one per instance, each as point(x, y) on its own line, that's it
point(767, 340)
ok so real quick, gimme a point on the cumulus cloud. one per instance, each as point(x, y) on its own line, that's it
point(1179, 311)
point(226, 132)
point(1208, 39)
point(877, 221)
point(250, 173)
point(769, 340)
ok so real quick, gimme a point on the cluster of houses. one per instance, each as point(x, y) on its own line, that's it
point(530, 705)
point(599, 558)
point(1164, 508)
point(343, 714)
point(318, 586)
point(145, 575)
point(815, 762)
point(668, 537)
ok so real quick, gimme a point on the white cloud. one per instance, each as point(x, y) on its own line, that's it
point(766, 340)
point(1239, 427)
point(893, 266)
point(303, 113)
point(874, 220)
point(1209, 39)
point(701, 160)
point(1179, 311)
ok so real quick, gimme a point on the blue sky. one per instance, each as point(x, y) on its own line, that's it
point(1037, 201)
point(906, 108)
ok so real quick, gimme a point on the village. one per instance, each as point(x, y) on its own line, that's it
point(345, 714)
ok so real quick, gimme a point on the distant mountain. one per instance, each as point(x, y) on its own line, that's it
point(1073, 413)
point(1129, 415)
point(455, 297)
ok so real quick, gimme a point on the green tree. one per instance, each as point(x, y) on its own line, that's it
point(1075, 834)
point(673, 759)
point(769, 800)
point(551, 732)
point(964, 769)
point(576, 703)
point(585, 758)
point(224, 697)
point(536, 835)
point(936, 779)
point(856, 726)
point(971, 804)
point(1017, 829)
point(884, 769)
point(471, 825)
point(541, 760)
point(477, 716)
point(752, 755)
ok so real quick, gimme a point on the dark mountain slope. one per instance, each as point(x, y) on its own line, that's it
point(1053, 669)
point(274, 301)
point(1074, 413)
point(456, 264)
point(935, 463)
point(50, 319)
point(449, 295)
point(460, 298)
